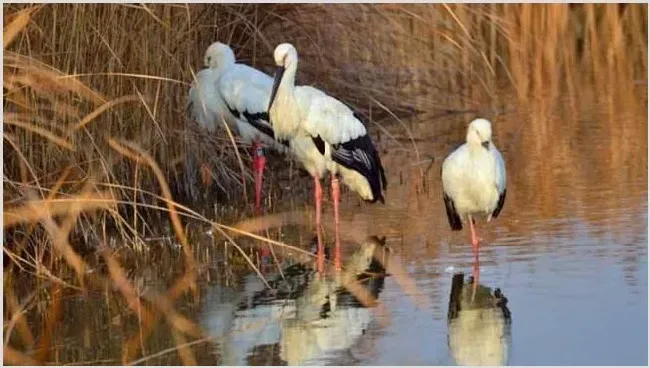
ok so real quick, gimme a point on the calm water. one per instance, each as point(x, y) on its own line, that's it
point(569, 251)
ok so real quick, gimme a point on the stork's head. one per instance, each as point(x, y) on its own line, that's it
point(218, 55)
point(479, 132)
point(285, 54)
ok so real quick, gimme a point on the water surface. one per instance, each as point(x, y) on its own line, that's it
point(569, 251)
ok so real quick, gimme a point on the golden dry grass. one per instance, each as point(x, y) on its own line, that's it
point(96, 136)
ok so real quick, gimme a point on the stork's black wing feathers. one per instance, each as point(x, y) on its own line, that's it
point(259, 121)
point(502, 200)
point(453, 217)
point(381, 168)
point(234, 112)
point(360, 155)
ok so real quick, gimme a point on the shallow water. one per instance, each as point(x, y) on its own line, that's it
point(569, 251)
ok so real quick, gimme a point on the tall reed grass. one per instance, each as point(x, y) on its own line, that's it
point(139, 61)
point(97, 140)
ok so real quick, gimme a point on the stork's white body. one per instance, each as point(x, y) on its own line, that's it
point(305, 151)
point(474, 176)
point(319, 115)
point(225, 90)
point(206, 102)
point(247, 90)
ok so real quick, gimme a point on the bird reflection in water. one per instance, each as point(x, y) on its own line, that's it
point(329, 318)
point(313, 317)
point(479, 330)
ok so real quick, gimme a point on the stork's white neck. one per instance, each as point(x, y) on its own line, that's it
point(289, 78)
point(222, 68)
point(474, 141)
point(285, 111)
point(475, 147)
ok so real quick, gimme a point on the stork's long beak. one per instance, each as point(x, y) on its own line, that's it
point(276, 83)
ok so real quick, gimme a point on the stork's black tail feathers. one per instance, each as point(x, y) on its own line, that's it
point(380, 186)
point(454, 219)
point(502, 200)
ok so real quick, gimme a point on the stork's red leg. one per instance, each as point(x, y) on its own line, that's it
point(476, 268)
point(336, 196)
point(318, 193)
point(259, 163)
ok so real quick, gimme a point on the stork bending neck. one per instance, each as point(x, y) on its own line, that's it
point(474, 142)
point(224, 64)
point(474, 147)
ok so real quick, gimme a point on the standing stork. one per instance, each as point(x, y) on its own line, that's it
point(237, 95)
point(325, 135)
point(474, 182)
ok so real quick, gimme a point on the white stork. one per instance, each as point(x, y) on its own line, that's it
point(474, 181)
point(237, 94)
point(325, 135)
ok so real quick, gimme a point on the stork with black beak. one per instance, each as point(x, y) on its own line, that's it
point(325, 135)
point(474, 182)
